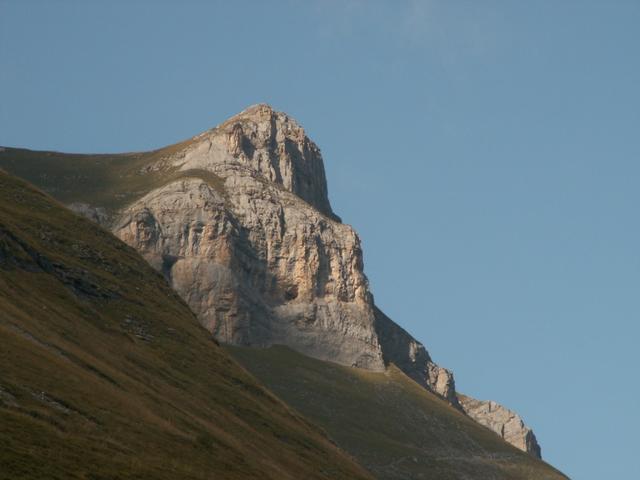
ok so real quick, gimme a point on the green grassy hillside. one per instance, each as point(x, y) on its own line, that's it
point(393, 426)
point(106, 374)
point(107, 180)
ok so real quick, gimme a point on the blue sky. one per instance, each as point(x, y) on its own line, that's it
point(488, 153)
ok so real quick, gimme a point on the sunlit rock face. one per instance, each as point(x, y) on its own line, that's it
point(266, 145)
point(259, 256)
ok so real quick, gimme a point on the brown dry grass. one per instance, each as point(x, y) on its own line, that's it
point(392, 425)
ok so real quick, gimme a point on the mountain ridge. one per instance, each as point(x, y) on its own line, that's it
point(238, 220)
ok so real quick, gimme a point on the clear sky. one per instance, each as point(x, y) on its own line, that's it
point(488, 153)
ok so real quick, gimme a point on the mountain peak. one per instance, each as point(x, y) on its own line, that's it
point(263, 142)
point(257, 109)
point(267, 117)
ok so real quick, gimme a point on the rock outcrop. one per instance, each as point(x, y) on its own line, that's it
point(95, 214)
point(244, 232)
point(254, 247)
point(502, 421)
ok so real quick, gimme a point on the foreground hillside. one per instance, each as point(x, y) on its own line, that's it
point(105, 373)
point(393, 426)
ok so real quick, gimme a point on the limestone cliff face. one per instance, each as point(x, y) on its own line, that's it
point(244, 232)
point(254, 248)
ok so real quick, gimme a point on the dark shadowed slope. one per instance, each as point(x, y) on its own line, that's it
point(392, 425)
point(105, 373)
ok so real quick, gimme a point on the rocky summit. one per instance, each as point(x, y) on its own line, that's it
point(239, 222)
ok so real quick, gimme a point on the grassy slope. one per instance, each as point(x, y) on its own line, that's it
point(105, 373)
point(392, 425)
point(106, 180)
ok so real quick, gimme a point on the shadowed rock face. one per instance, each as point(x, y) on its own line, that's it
point(245, 233)
point(410, 356)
